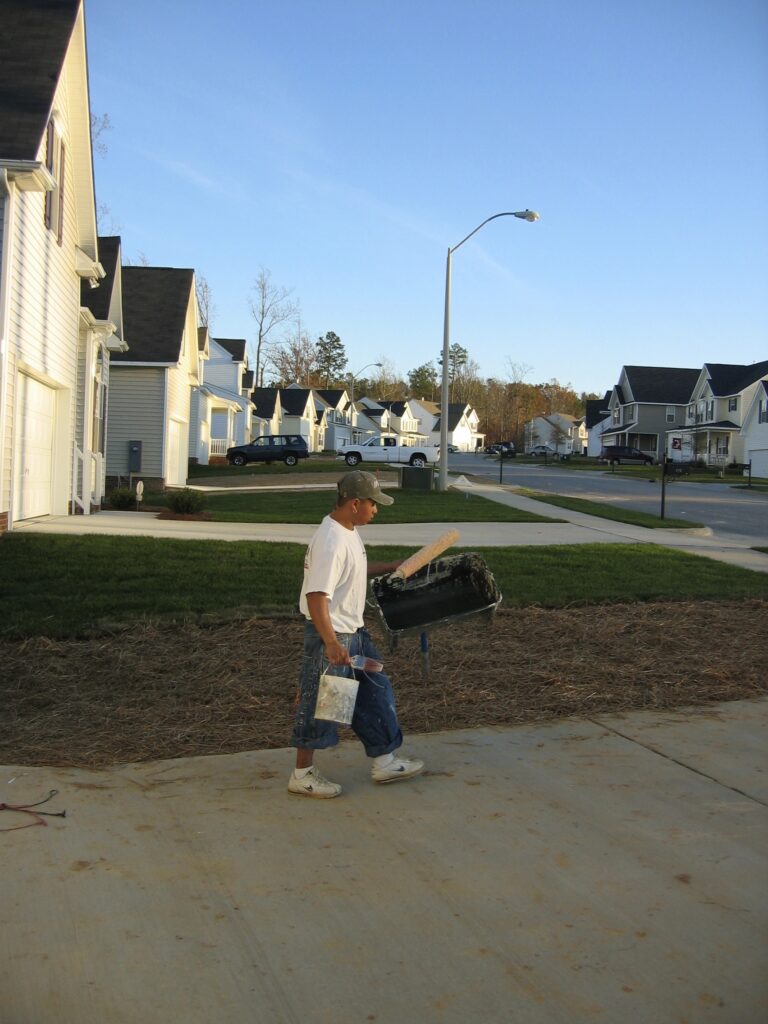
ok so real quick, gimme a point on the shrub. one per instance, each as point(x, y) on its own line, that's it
point(186, 501)
point(122, 498)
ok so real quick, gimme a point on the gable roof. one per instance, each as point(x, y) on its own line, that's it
point(672, 384)
point(98, 300)
point(455, 411)
point(396, 408)
point(597, 410)
point(155, 301)
point(332, 396)
point(294, 400)
point(235, 347)
point(731, 378)
point(33, 44)
point(265, 401)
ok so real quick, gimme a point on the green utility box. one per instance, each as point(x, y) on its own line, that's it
point(413, 478)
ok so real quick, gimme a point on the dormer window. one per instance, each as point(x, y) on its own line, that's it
point(55, 161)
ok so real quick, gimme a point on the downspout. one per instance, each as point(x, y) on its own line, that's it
point(6, 193)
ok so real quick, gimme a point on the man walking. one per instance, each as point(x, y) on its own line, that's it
point(332, 601)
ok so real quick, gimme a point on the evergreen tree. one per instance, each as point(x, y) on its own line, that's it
point(331, 358)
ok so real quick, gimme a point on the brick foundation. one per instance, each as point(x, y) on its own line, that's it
point(4, 520)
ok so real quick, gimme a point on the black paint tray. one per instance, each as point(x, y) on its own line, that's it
point(445, 591)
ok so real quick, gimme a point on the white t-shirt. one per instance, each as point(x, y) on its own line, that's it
point(336, 564)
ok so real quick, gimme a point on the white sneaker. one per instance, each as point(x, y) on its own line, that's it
point(397, 769)
point(313, 784)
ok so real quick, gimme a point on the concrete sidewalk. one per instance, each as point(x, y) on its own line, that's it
point(576, 528)
point(607, 870)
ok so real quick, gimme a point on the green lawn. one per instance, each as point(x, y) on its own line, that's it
point(310, 507)
point(605, 511)
point(68, 586)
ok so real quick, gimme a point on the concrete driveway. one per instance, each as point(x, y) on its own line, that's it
point(610, 870)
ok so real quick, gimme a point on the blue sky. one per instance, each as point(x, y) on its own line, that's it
point(346, 144)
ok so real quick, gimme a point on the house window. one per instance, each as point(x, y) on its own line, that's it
point(691, 412)
point(616, 414)
point(762, 411)
point(722, 444)
point(670, 414)
point(709, 413)
point(55, 161)
point(733, 404)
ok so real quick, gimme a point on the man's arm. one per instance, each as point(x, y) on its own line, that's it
point(380, 568)
point(317, 603)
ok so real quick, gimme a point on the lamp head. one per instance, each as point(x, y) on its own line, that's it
point(529, 215)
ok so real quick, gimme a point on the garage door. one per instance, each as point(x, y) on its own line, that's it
point(177, 462)
point(33, 450)
point(759, 457)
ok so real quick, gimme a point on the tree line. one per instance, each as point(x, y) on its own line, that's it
point(282, 353)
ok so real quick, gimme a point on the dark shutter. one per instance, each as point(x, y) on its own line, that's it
point(62, 171)
point(49, 139)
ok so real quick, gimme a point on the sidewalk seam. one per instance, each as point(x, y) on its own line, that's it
point(674, 760)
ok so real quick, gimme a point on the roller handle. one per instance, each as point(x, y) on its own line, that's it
point(425, 555)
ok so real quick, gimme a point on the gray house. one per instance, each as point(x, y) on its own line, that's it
point(646, 403)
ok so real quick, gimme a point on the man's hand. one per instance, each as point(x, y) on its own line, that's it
point(336, 653)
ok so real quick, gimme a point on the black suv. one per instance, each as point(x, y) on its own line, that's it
point(623, 453)
point(287, 448)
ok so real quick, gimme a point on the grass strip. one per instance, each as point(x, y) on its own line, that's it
point(605, 511)
point(311, 506)
point(314, 464)
point(61, 586)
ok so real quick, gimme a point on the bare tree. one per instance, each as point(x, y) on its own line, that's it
point(205, 303)
point(105, 222)
point(387, 383)
point(294, 360)
point(142, 260)
point(100, 123)
point(271, 306)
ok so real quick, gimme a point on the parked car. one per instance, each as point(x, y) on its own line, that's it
point(541, 449)
point(507, 449)
point(623, 453)
point(287, 448)
point(491, 449)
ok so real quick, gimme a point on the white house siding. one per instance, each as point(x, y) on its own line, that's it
point(136, 403)
point(43, 323)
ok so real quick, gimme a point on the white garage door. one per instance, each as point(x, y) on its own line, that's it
point(759, 457)
point(33, 458)
point(177, 463)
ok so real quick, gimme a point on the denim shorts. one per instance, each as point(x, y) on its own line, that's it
point(375, 719)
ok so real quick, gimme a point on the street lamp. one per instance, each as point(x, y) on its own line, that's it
point(529, 215)
point(352, 378)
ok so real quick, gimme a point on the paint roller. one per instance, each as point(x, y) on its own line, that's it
point(425, 555)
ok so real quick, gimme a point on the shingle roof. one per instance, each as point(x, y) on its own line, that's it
point(98, 299)
point(597, 410)
point(294, 400)
point(264, 400)
point(235, 347)
point(332, 396)
point(398, 408)
point(730, 378)
point(672, 384)
point(155, 301)
point(34, 36)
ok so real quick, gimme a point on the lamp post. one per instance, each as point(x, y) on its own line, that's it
point(352, 378)
point(528, 215)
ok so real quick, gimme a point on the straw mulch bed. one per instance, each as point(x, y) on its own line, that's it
point(154, 692)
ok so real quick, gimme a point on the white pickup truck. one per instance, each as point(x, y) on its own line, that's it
point(386, 449)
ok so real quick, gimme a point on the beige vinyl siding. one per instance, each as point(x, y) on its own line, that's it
point(6, 440)
point(136, 403)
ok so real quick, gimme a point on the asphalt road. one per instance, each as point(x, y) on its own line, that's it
point(729, 512)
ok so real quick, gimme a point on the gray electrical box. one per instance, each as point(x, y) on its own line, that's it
point(134, 456)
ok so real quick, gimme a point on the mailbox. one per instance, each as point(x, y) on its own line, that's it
point(134, 456)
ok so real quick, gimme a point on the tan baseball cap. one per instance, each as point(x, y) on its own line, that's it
point(359, 484)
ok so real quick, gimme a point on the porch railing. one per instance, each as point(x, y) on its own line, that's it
point(219, 445)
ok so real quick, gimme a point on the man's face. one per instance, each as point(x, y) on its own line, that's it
point(364, 510)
